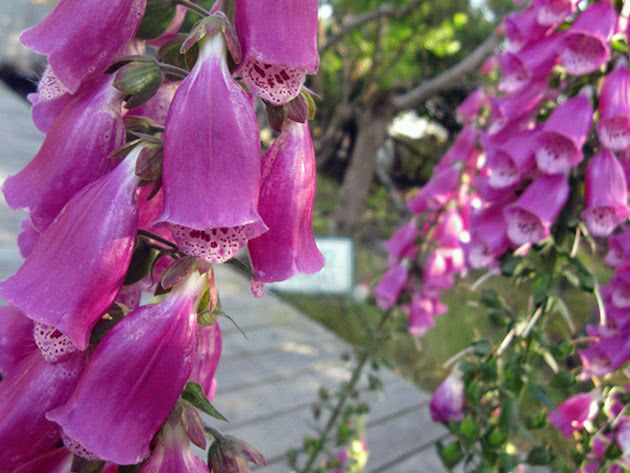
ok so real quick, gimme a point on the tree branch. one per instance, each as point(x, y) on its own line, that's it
point(430, 87)
point(385, 10)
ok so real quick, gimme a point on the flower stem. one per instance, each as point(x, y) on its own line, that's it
point(157, 238)
point(356, 375)
point(194, 7)
point(173, 70)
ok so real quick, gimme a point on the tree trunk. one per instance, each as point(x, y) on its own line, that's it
point(356, 183)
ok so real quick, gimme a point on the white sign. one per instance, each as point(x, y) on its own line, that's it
point(337, 275)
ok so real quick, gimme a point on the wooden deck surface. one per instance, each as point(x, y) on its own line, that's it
point(266, 382)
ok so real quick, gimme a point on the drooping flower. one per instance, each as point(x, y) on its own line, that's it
point(221, 172)
point(488, 237)
point(510, 161)
point(27, 238)
point(279, 46)
point(447, 403)
point(173, 454)
point(613, 127)
point(605, 194)
point(531, 216)
point(573, 413)
point(401, 242)
point(16, 338)
point(619, 248)
point(422, 312)
point(559, 144)
point(74, 154)
point(79, 263)
point(286, 206)
point(390, 286)
point(114, 412)
point(554, 12)
point(469, 109)
point(462, 150)
point(65, 34)
point(523, 28)
point(206, 358)
point(586, 45)
point(514, 109)
point(439, 190)
point(32, 389)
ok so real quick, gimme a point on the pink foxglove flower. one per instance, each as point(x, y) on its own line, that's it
point(206, 358)
point(114, 411)
point(221, 172)
point(26, 395)
point(16, 339)
point(447, 403)
point(559, 144)
point(469, 109)
point(554, 12)
point(613, 127)
point(279, 46)
point(74, 153)
point(286, 206)
point(573, 413)
point(531, 216)
point(512, 160)
point(488, 237)
point(58, 460)
point(522, 28)
point(173, 454)
point(585, 47)
point(422, 312)
point(439, 190)
point(80, 261)
point(390, 286)
point(605, 194)
point(619, 248)
point(73, 24)
point(401, 242)
point(463, 149)
point(514, 109)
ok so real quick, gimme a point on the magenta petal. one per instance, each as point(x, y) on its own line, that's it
point(447, 402)
point(286, 206)
point(173, 454)
point(522, 28)
point(574, 413)
point(79, 263)
point(585, 47)
point(531, 216)
point(81, 37)
point(619, 248)
point(613, 127)
point(512, 160)
point(279, 46)
point(390, 286)
point(469, 109)
point(515, 108)
point(27, 238)
point(211, 197)
point(461, 150)
point(605, 194)
point(121, 400)
point(26, 395)
point(55, 461)
point(553, 12)
point(75, 153)
point(563, 135)
point(16, 338)
point(489, 238)
point(206, 358)
point(439, 190)
point(401, 241)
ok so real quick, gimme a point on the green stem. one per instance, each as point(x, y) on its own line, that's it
point(194, 7)
point(157, 238)
point(356, 375)
point(173, 70)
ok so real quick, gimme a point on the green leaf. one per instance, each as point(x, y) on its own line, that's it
point(619, 43)
point(469, 430)
point(490, 298)
point(509, 414)
point(537, 420)
point(450, 454)
point(158, 15)
point(563, 380)
point(311, 104)
point(193, 393)
point(540, 395)
point(206, 318)
point(540, 456)
point(495, 438)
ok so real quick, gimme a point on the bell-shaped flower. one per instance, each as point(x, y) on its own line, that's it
point(554, 12)
point(439, 190)
point(79, 262)
point(512, 160)
point(173, 454)
point(206, 358)
point(279, 46)
point(613, 127)
point(64, 34)
point(401, 242)
point(622, 436)
point(32, 389)
point(74, 154)
point(523, 28)
point(461, 150)
point(489, 238)
point(559, 144)
point(286, 206)
point(221, 172)
point(605, 194)
point(16, 338)
point(114, 412)
point(619, 248)
point(513, 109)
point(469, 109)
point(447, 403)
point(619, 287)
point(573, 413)
point(586, 45)
point(440, 268)
point(422, 312)
point(390, 286)
point(58, 460)
point(533, 62)
point(531, 216)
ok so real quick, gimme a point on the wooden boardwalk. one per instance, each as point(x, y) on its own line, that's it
point(265, 383)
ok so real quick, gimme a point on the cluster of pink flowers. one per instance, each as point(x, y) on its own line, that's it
point(88, 369)
point(507, 177)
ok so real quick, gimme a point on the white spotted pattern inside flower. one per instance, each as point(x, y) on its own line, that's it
point(615, 255)
point(480, 256)
point(215, 245)
point(524, 227)
point(77, 449)
point(556, 153)
point(621, 295)
point(273, 83)
point(50, 87)
point(601, 221)
point(614, 133)
point(504, 172)
point(53, 344)
point(582, 54)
